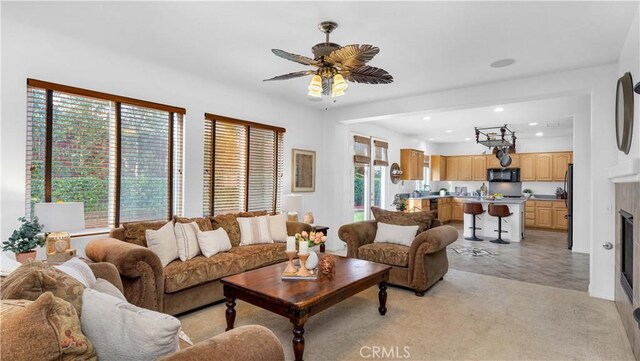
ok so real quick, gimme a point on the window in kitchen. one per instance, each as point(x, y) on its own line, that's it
point(423, 184)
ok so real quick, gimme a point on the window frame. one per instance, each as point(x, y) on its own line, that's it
point(50, 88)
point(248, 125)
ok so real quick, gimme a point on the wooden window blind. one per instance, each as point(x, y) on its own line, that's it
point(243, 165)
point(381, 157)
point(115, 154)
point(362, 150)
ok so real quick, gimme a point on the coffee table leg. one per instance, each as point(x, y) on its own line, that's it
point(382, 297)
point(298, 341)
point(231, 312)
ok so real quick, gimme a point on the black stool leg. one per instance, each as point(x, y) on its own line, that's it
point(473, 236)
point(500, 240)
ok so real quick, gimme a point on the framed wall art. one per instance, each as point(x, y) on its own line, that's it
point(303, 170)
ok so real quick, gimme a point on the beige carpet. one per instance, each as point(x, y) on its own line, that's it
point(466, 316)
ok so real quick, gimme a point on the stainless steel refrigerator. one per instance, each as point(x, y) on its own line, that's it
point(568, 201)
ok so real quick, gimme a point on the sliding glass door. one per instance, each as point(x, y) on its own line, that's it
point(370, 176)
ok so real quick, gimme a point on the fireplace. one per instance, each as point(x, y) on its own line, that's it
point(626, 255)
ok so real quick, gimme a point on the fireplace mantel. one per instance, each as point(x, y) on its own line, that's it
point(625, 172)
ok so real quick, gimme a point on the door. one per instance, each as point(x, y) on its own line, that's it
point(544, 217)
point(560, 164)
point(544, 167)
point(452, 168)
point(560, 218)
point(479, 167)
point(493, 162)
point(361, 190)
point(370, 179)
point(465, 172)
point(527, 167)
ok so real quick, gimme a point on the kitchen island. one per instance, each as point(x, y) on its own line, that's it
point(514, 225)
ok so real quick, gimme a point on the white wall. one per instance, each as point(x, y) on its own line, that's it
point(630, 62)
point(30, 52)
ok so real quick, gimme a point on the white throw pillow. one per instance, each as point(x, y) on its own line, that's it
point(254, 230)
point(107, 287)
point(187, 239)
point(79, 270)
point(390, 233)
point(278, 227)
point(121, 331)
point(212, 242)
point(163, 243)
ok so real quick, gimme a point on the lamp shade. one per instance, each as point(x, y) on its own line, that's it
point(339, 83)
point(60, 217)
point(316, 84)
point(292, 203)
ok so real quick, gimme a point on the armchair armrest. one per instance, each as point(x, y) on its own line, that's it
point(297, 227)
point(246, 343)
point(140, 270)
point(432, 240)
point(357, 234)
point(108, 272)
point(426, 262)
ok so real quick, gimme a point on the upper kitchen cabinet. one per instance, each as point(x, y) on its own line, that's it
point(465, 171)
point(493, 162)
point(479, 167)
point(438, 167)
point(453, 168)
point(412, 164)
point(528, 167)
point(560, 165)
point(544, 167)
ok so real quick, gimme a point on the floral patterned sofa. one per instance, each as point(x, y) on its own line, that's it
point(182, 286)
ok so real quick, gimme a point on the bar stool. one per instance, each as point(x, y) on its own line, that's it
point(474, 209)
point(500, 211)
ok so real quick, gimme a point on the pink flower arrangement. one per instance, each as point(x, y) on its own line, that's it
point(313, 238)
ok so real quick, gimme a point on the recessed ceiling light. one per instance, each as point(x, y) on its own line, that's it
point(449, 131)
point(539, 134)
point(431, 139)
point(467, 139)
point(502, 63)
point(533, 123)
point(498, 109)
point(426, 118)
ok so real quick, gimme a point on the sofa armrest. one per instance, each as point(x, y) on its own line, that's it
point(140, 270)
point(108, 272)
point(297, 227)
point(357, 234)
point(431, 241)
point(435, 223)
point(246, 343)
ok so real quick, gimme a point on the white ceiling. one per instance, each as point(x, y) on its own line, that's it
point(554, 118)
point(426, 46)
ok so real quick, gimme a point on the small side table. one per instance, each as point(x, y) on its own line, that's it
point(323, 230)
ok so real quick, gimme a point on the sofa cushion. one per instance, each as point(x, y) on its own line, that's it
point(420, 219)
point(34, 278)
point(387, 253)
point(204, 223)
point(229, 223)
point(134, 232)
point(45, 329)
point(179, 275)
point(259, 255)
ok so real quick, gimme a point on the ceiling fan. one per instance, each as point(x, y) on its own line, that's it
point(334, 64)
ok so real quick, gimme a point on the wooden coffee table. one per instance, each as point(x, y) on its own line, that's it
point(299, 300)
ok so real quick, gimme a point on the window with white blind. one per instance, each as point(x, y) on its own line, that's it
point(122, 157)
point(243, 166)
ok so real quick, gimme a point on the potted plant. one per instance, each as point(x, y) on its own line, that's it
point(527, 193)
point(25, 239)
point(399, 203)
point(560, 193)
point(313, 239)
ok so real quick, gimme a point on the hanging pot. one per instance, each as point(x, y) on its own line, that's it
point(505, 160)
point(499, 153)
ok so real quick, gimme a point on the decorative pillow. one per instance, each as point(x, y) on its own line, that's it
point(134, 232)
point(79, 270)
point(45, 329)
point(34, 278)
point(230, 225)
point(420, 219)
point(254, 230)
point(187, 239)
point(278, 227)
point(204, 223)
point(389, 233)
point(163, 243)
point(253, 214)
point(107, 287)
point(123, 332)
point(212, 242)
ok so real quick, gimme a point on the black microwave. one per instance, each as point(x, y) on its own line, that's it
point(503, 175)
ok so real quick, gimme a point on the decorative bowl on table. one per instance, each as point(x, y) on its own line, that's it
point(498, 196)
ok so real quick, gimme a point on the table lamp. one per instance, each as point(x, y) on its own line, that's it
point(292, 205)
point(57, 220)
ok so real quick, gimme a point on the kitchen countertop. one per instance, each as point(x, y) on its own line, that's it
point(499, 201)
point(472, 197)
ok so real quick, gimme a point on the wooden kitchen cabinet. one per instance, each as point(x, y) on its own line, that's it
point(528, 167)
point(545, 214)
point(559, 220)
point(544, 217)
point(544, 167)
point(438, 166)
point(479, 168)
point(560, 165)
point(465, 171)
point(493, 162)
point(456, 211)
point(444, 209)
point(452, 168)
point(412, 164)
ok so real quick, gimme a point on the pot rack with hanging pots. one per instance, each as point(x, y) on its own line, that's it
point(501, 140)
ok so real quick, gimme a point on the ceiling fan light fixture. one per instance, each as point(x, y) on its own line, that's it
point(315, 94)
point(339, 83)
point(316, 85)
point(337, 93)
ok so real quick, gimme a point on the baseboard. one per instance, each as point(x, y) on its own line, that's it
point(580, 250)
point(599, 295)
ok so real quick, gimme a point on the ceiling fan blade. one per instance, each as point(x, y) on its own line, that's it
point(294, 57)
point(369, 75)
point(327, 86)
point(352, 56)
point(292, 75)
